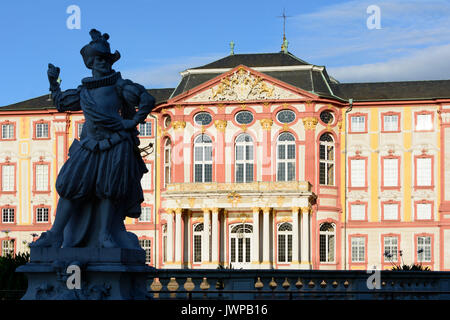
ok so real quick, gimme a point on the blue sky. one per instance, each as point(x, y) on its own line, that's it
point(159, 39)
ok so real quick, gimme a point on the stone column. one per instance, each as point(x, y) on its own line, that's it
point(170, 213)
point(295, 238)
point(177, 152)
point(305, 251)
point(266, 165)
point(178, 238)
point(215, 236)
point(255, 238)
point(205, 238)
point(266, 263)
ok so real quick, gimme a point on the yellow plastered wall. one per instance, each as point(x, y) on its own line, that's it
point(407, 163)
point(373, 164)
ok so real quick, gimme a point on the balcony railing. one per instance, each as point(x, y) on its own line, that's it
point(297, 284)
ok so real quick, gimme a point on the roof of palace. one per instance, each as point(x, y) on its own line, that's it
point(289, 69)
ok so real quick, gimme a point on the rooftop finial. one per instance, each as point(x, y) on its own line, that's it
point(284, 45)
point(231, 47)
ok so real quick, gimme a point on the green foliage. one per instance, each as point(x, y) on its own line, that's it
point(12, 284)
point(412, 267)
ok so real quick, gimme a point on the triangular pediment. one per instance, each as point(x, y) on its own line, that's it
point(243, 84)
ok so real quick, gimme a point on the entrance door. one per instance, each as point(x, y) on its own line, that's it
point(240, 245)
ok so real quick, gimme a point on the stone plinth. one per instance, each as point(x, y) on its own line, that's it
point(105, 274)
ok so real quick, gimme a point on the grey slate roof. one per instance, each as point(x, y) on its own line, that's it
point(43, 102)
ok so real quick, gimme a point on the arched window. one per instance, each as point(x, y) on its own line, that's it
point(244, 158)
point(286, 157)
point(167, 162)
point(203, 159)
point(240, 244)
point(197, 246)
point(285, 242)
point(326, 160)
point(164, 241)
point(327, 241)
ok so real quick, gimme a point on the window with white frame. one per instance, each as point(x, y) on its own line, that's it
point(42, 214)
point(146, 244)
point(8, 131)
point(8, 215)
point(244, 158)
point(326, 160)
point(358, 172)
point(7, 247)
point(8, 179)
point(167, 162)
point(358, 123)
point(390, 172)
point(285, 242)
point(79, 128)
point(145, 129)
point(164, 241)
point(203, 159)
point(197, 245)
point(390, 211)
point(146, 181)
point(146, 214)
point(424, 249)
point(286, 157)
point(391, 248)
point(390, 122)
point(42, 182)
point(327, 242)
point(358, 249)
point(42, 130)
point(424, 172)
point(423, 211)
point(424, 122)
point(358, 211)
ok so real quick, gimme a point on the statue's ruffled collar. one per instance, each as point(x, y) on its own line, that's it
point(109, 80)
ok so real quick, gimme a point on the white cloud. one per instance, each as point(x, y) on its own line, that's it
point(426, 64)
point(166, 73)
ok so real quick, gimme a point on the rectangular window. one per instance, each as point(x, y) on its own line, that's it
point(8, 183)
point(423, 211)
point(79, 128)
point(358, 173)
point(146, 214)
point(146, 181)
point(358, 212)
point(358, 124)
point(424, 172)
point(7, 131)
point(390, 122)
point(146, 244)
point(390, 249)
point(424, 122)
point(424, 249)
point(197, 248)
point(390, 211)
point(358, 247)
point(145, 129)
point(7, 215)
point(7, 247)
point(390, 172)
point(42, 177)
point(42, 215)
point(42, 130)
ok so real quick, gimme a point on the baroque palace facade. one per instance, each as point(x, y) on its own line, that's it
point(261, 161)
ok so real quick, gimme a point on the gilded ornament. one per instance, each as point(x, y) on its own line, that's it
point(266, 124)
point(220, 125)
point(310, 123)
point(179, 125)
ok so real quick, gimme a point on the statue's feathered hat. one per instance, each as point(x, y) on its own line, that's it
point(99, 46)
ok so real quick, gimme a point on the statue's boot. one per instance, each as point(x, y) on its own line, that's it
point(48, 239)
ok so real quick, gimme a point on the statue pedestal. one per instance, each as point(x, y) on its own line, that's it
point(86, 274)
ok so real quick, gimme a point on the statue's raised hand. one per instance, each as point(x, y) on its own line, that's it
point(53, 74)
